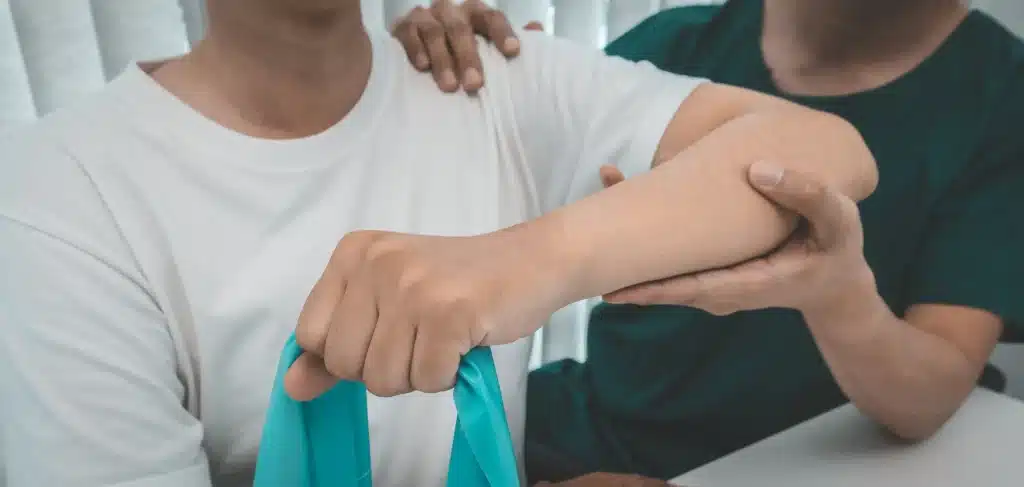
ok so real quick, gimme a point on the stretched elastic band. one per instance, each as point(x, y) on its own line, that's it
point(325, 442)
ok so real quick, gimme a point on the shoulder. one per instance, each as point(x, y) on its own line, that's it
point(657, 36)
point(994, 57)
point(540, 48)
point(987, 55)
point(46, 179)
point(977, 80)
point(547, 58)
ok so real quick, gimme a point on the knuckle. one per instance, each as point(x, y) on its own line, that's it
point(431, 377)
point(381, 385)
point(410, 22)
point(309, 339)
point(429, 382)
point(384, 251)
point(849, 209)
point(356, 242)
point(380, 251)
point(817, 193)
point(460, 30)
point(406, 31)
point(412, 283)
point(432, 31)
point(461, 307)
point(443, 305)
point(340, 366)
point(492, 17)
point(450, 318)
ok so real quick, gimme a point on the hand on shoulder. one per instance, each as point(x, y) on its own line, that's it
point(442, 39)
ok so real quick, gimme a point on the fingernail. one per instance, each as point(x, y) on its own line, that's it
point(448, 78)
point(765, 174)
point(472, 77)
point(422, 61)
point(511, 44)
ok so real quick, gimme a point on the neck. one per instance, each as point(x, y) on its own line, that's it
point(275, 71)
point(829, 33)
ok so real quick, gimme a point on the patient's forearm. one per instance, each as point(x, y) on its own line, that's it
point(698, 211)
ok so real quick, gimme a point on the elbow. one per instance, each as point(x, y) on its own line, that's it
point(856, 171)
point(916, 428)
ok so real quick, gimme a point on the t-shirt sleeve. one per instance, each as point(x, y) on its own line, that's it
point(577, 109)
point(91, 395)
point(972, 251)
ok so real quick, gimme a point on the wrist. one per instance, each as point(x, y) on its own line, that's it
point(545, 251)
point(854, 305)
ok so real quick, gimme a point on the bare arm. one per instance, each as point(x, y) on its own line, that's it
point(697, 210)
point(910, 375)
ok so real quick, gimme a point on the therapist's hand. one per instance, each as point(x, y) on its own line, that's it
point(608, 480)
point(398, 311)
point(442, 39)
point(821, 267)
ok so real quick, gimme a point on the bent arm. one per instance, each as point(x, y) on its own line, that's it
point(912, 374)
point(697, 210)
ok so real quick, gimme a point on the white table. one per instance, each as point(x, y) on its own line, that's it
point(983, 445)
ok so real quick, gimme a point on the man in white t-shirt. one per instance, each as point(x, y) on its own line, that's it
point(158, 241)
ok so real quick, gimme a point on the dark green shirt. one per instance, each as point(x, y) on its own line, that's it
point(667, 389)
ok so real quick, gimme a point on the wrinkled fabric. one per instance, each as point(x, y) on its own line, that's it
point(326, 442)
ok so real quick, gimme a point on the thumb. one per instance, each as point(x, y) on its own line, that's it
point(820, 205)
point(308, 378)
point(611, 175)
point(534, 25)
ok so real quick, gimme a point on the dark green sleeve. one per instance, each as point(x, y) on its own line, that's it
point(655, 38)
point(973, 253)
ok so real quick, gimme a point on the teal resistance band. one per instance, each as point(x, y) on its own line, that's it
point(326, 442)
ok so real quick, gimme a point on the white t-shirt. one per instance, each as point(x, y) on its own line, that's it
point(154, 262)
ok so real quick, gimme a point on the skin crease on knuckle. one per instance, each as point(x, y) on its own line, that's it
point(435, 38)
point(312, 336)
point(387, 364)
point(339, 365)
point(428, 371)
point(414, 23)
point(436, 352)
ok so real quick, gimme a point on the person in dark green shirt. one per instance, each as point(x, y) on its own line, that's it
point(938, 94)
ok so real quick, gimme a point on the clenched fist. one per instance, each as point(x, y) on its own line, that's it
point(397, 311)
